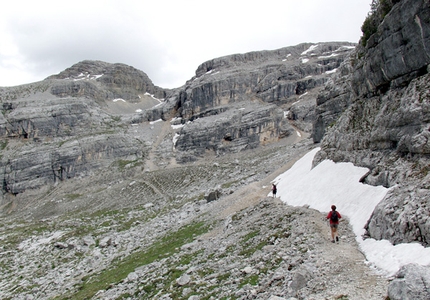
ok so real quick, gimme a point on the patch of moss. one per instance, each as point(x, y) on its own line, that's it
point(251, 280)
point(120, 268)
point(122, 163)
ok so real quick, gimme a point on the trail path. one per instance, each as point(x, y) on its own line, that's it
point(163, 129)
point(353, 278)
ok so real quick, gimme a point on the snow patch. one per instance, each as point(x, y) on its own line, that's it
point(310, 49)
point(301, 97)
point(328, 56)
point(345, 47)
point(331, 71)
point(118, 99)
point(339, 184)
point(175, 139)
point(88, 76)
point(153, 97)
point(156, 121)
point(304, 60)
point(178, 126)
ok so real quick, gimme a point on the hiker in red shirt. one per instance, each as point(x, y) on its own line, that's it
point(334, 217)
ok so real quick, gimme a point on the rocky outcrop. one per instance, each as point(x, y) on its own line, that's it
point(398, 52)
point(235, 129)
point(104, 81)
point(46, 139)
point(378, 117)
point(37, 164)
point(239, 99)
point(411, 282)
point(276, 76)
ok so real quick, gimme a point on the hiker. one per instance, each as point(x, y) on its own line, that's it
point(334, 217)
point(274, 190)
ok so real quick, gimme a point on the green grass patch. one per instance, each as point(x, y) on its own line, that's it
point(249, 246)
point(3, 144)
point(72, 196)
point(120, 268)
point(123, 163)
point(251, 280)
point(250, 235)
point(248, 251)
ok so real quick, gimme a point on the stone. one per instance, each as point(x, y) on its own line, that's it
point(232, 104)
point(247, 270)
point(213, 195)
point(88, 241)
point(132, 277)
point(105, 242)
point(410, 282)
point(183, 280)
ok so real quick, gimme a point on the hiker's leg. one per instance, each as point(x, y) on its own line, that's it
point(333, 230)
point(335, 233)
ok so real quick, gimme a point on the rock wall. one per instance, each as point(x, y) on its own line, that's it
point(235, 129)
point(57, 129)
point(277, 80)
point(102, 81)
point(379, 117)
point(36, 164)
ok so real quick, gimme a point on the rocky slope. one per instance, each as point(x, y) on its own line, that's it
point(70, 124)
point(375, 113)
point(164, 235)
point(114, 188)
point(85, 117)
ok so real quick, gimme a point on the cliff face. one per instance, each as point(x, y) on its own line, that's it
point(103, 81)
point(240, 99)
point(377, 115)
point(70, 124)
point(86, 117)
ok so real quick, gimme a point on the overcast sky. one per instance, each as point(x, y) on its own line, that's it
point(167, 39)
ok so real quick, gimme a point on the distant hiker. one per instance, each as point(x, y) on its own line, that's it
point(334, 217)
point(274, 190)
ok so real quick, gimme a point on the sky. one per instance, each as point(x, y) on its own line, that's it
point(166, 39)
point(338, 184)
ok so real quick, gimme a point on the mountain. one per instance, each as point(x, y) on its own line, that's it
point(377, 116)
point(85, 117)
point(115, 188)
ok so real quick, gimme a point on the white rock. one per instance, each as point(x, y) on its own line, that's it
point(183, 280)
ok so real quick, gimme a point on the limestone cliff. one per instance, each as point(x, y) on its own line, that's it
point(81, 120)
point(376, 113)
point(240, 99)
point(70, 124)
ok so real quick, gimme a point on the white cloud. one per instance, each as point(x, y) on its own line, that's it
point(165, 39)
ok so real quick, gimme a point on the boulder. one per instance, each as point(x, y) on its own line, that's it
point(410, 282)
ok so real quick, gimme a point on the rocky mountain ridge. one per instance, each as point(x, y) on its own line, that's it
point(272, 82)
point(85, 117)
point(107, 178)
point(376, 115)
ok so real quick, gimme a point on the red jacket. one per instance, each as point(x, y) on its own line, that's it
point(329, 217)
